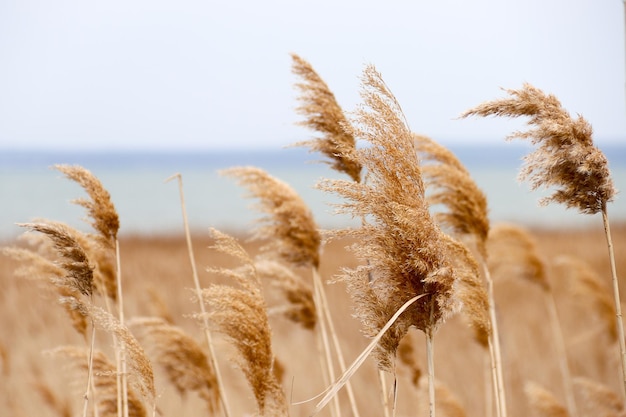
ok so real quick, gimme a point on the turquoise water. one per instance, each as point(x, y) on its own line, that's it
point(148, 205)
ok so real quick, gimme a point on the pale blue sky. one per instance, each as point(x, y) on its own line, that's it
point(185, 74)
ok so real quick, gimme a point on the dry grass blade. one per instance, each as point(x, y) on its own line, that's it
point(400, 241)
point(301, 308)
point(74, 261)
point(331, 391)
point(105, 382)
point(240, 314)
point(566, 157)
point(544, 402)
point(450, 184)
point(104, 217)
point(324, 115)
point(288, 224)
point(181, 357)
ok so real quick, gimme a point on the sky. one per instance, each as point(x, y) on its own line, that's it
point(197, 75)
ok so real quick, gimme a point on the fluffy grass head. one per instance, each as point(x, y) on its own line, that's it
point(100, 208)
point(403, 248)
point(300, 306)
point(74, 261)
point(323, 114)
point(288, 223)
point(566, 158)
point(240, 313)
point(450, 185)
point(182, 359)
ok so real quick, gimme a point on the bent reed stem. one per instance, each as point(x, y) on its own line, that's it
point(333, 334)
point(323, 334)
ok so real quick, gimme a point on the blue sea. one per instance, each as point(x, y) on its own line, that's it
point(147, 205)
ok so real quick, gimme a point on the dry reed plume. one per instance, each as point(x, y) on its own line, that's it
point(100, 208)
point(183, 360)
point(324, 115)
point(568, 161)
point(288, 224)
point(423, 221)
point(240, 314)
point(403, 245)
point(461, 206)
point(71, 275)
point(514, 253)
point(566, 157)
point(301, 307)
point(74, 261)
point(450, 184)
point(61, 407)
point(140, 366)
point(292, 232)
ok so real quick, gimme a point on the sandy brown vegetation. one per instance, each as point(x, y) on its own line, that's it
point(518, 322)
point(33, 323)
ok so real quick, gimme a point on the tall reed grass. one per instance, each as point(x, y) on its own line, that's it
point(521, 327)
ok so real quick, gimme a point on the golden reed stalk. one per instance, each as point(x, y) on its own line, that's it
point(565, 160)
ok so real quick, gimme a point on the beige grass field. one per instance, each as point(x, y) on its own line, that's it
point(157, 281)
point(468, 318)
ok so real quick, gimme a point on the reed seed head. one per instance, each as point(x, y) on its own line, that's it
point(288, 224)
point(241, 314)
point(299, 295)
point(566, 158)
point(450, 184)
point(74, 261)
point(324, 115)
point(104, 217)
point(142, 374)
point(404, 248)
point(181, 357)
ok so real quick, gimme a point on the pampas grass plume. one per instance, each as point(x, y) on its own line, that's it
point(240, 314)
point(324, 115)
